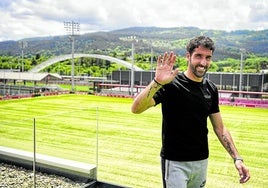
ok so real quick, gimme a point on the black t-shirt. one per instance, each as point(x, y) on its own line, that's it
point(185, 108)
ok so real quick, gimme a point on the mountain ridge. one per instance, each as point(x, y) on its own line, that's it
point(228, 43)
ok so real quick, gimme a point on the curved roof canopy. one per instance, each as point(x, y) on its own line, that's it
point(69, 56)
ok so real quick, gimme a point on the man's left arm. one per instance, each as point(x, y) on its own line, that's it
point(226, 140)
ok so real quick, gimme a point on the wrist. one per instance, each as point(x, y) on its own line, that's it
point(158, 84)
point(238, 159)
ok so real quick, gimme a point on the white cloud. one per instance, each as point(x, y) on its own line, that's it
point(32, 18)
point(259, 11)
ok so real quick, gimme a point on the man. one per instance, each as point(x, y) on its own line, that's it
point(187, 99)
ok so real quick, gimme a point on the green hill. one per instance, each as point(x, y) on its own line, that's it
point(162, 39)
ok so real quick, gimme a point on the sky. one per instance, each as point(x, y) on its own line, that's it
point(21, 19)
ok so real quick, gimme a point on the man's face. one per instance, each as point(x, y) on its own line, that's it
point(199, 61)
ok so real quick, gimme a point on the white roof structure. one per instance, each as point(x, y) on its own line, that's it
point(28, 76)
point(57, 59)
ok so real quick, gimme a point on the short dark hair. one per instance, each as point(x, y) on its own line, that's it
point(200, 41)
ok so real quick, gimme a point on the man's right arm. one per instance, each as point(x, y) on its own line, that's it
point(144, 99)
point(164, 74)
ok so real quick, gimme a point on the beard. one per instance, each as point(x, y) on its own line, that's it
point(198, 70)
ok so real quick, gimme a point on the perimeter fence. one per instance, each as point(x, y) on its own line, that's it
point(125, 147)
point(93, 136)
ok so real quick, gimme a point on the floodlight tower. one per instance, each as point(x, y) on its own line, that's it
point(133, 39)
point(152, 59)
point(241, 72)
point(23, 44)
point(72, 29)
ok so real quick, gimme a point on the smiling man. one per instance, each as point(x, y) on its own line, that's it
point(188, 99)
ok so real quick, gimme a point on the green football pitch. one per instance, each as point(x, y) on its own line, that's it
point(125, 146)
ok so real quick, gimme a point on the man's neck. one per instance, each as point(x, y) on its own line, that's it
point(192, 77)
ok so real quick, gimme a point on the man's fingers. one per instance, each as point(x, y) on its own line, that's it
point(167, 59)
point(159, 60)
point(244, 179)
point(175, 72)
point(244, 175)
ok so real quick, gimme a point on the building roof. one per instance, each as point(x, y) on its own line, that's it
point(27, 76)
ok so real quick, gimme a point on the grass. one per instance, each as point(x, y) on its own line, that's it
point(128, 144)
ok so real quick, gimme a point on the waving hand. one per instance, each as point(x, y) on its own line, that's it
point(164, 69)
